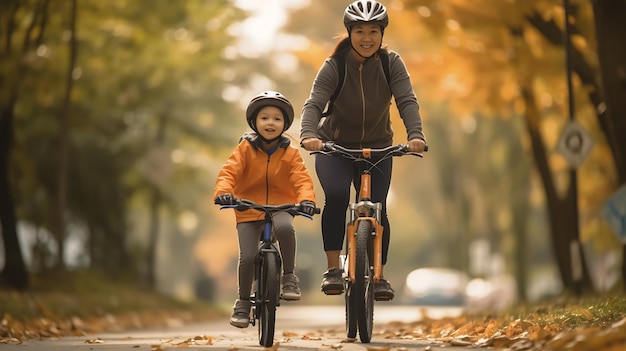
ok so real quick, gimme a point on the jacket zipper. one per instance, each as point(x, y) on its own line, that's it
point(363, 103)
point(267, 180)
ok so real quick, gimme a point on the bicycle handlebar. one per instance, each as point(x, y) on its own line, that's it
point(243, 204)
point(330, 147)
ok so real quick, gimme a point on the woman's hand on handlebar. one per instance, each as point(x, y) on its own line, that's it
point(311, 144)
point(417, 145)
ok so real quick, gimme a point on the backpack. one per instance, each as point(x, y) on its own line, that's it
point(341, 65)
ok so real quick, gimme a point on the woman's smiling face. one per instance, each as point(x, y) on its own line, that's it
point(366, 38)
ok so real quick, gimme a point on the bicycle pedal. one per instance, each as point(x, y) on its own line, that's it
point(383, 298)
point(333, 292)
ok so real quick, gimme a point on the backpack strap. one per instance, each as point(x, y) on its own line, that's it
point(341, 75)
point(384, 60)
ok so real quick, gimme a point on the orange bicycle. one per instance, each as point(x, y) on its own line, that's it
point(363, 252)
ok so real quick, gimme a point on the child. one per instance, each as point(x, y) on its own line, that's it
point(266, 169)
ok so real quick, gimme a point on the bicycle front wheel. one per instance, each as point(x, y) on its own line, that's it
point(269, 281)
point(363, 288)
point(351, 310)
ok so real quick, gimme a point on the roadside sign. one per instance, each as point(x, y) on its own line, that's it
point(614, 211)
point(575, 144)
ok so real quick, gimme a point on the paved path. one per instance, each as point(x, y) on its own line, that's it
point(297, 328)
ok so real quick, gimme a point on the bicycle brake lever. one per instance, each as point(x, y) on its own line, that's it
point(241, 205)
point(400, 150)
point(328, 146)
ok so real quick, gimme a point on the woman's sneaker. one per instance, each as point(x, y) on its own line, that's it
point(332, 284)
point(383, 291)
point(241, 314)
point(291, 287)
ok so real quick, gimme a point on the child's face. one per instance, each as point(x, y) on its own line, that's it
point(270, 122)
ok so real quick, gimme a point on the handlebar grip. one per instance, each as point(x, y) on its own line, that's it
point(426, 148)
point(318, 210)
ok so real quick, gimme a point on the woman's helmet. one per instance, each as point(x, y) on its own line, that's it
point(269, 98)
point(365, 11)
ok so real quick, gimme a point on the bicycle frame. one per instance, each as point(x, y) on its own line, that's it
point(362, 211)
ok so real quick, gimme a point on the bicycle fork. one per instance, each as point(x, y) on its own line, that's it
point(365, 210)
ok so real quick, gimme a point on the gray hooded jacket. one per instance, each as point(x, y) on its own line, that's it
point(360, 116)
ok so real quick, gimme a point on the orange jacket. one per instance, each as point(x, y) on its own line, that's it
point(249, 173)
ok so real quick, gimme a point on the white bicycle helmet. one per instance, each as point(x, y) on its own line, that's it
point(365, 11)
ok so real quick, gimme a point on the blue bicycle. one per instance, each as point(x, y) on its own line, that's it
point(267, 269)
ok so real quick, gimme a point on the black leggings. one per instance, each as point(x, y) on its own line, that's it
point(336, 174)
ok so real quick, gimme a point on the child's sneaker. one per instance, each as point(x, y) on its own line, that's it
point(241, 314)
point(291, 288)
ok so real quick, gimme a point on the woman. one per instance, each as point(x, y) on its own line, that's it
point(265, 168)
point(359, 118)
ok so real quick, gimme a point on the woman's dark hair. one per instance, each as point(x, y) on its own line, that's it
point(343, 45)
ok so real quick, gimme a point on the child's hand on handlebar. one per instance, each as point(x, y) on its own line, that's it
point(225, 199)
point(307, 207)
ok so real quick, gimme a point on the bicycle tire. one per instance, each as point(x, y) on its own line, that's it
point(363, 283)
point(351, 312)
point(268, 300)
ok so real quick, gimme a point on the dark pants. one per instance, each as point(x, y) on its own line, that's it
point(336, 174)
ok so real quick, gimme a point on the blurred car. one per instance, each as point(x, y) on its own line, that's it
point(496, 293)
point(435, 286)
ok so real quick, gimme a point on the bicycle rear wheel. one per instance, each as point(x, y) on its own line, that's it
point(363, 288)
point(269, 282)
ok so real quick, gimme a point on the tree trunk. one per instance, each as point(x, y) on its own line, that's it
point(63, 147)
point(156, 199)
point(14, 271)
point(561, 223)
point(607, 96)
point(610, 28)
point(11, 71)
point(521, 209)
point(153, 236)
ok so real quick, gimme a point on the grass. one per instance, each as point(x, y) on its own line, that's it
point(591, 322)
point(76, 303)
point(597, 310)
